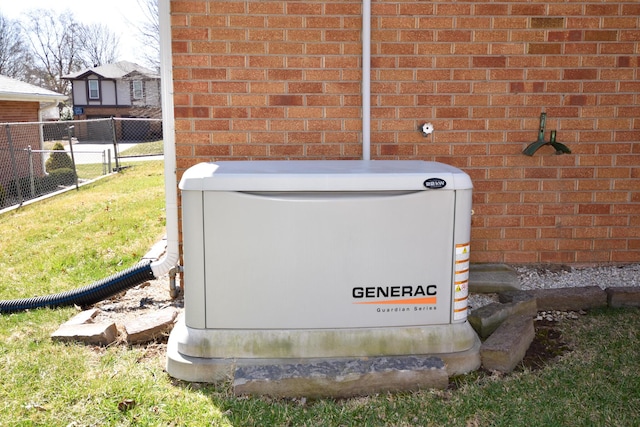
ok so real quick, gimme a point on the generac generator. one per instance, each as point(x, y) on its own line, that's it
point(314, 259)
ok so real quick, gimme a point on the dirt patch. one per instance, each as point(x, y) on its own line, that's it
point(141, 300)
point(547, 345)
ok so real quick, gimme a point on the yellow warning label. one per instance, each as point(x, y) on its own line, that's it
point(462, 252)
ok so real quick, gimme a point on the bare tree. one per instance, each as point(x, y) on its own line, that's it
point(15, 58)
point(149, 32)
point(54, 43)
point(99, 45)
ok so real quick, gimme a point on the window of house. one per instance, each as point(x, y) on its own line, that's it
point(137, 89)
point(94, 89)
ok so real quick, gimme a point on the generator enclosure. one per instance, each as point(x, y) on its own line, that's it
point(287, 246)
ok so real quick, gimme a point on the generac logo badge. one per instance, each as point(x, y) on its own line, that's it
point(435, 183)
point(395, 294)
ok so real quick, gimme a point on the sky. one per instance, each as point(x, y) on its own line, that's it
point(121, 16)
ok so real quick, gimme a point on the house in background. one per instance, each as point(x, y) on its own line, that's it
point(122, 90)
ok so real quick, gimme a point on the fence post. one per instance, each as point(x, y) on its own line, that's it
point(14, 166)
point(73, 159)
point(31, 177)
point(115, 142)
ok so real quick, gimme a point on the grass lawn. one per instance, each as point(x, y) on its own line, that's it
point(144, 149)
point(81, 236)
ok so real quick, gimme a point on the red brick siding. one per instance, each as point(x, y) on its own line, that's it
point(21, 137)
point(19, 111)
point(279, 79)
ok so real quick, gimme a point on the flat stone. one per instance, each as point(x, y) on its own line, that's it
point(487, 319)
point(340, 378)
point(148, 328)
point(102, 333)
point(157, 250)
point(83, 317)
point(564, 299)
point(492, 278)
point(506, 347)
point(619, 297)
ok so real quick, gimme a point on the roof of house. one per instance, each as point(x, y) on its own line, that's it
point(117, 70)
point(16, 90)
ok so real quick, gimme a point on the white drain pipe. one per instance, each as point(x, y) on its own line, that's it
point(366, 79)
point(170, 259)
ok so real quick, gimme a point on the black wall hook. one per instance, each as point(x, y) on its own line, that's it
point(534, 146)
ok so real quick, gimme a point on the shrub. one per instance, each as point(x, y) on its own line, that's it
point(46, 184)
point(58, 160)
point(63, 176)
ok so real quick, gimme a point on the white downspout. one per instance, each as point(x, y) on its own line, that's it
point(170, 259)
point(366, 79)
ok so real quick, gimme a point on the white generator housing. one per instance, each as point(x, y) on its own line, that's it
point(314, 259)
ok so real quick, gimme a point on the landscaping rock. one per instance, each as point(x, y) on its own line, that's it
point(563, 299)
point(487, 319)
point(506, 347)
point(150, 327)
point(83, 317)
point(492, 278)
point(623, 297)
point(103, 333)
point(339, 378)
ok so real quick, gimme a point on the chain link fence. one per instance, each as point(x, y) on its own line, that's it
point(39, 158)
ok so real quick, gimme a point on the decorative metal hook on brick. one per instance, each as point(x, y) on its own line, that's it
point(534, 146)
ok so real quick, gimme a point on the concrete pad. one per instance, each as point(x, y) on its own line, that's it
point(462, 362)
point(103, 333)
point(322, 343)
point(342, 378)
point(204, 366)
point(487, 319)
point(147, 328)
point(619, 297)
point(506, 347)
point(492, 278)
point(564, 299)
point(196, 369)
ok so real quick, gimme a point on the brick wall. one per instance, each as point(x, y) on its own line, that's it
point(281, 79)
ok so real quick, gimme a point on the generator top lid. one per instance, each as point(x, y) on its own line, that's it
point(324, 175)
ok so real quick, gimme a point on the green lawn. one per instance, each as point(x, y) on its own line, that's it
point(144, 149)
point(81, 236)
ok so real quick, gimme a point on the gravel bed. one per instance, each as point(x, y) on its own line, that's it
point(562, 276)
point(549, 277)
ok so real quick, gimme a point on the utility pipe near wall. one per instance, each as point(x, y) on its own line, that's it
point(366, 79)
point(170, 260)
point(143, 271)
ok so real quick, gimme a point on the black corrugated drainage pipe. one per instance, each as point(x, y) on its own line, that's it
point(86, 295)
